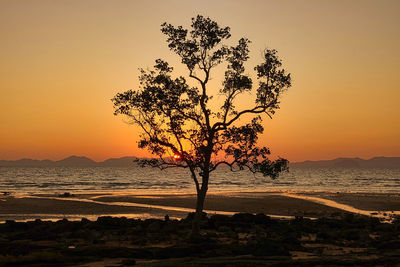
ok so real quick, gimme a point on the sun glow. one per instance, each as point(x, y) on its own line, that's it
point(46, 110)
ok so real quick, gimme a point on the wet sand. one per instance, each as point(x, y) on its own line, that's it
point(177, 206)
point(25, 208)
point(365, 201)
point(271, 204)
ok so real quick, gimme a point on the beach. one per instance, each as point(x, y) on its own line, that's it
point(121, 204)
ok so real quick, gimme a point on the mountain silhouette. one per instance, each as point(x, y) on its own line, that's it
point(79, 161)
point(75, 161)
point(376, 162)
point(72, 161)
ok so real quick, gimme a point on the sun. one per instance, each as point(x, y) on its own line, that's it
point(177, 156)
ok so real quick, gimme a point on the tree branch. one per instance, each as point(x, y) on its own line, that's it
point(255, 110)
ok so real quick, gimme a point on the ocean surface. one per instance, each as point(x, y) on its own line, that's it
point(151, 180)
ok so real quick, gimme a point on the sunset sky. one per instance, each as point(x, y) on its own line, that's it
point(62, 61)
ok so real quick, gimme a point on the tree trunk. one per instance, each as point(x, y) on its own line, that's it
point(201, 196)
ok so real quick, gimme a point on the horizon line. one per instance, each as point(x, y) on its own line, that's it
point(76, 156)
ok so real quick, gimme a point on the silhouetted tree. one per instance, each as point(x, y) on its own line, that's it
point(178, 124)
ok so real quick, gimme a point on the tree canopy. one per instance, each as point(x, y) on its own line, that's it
point(176, 119)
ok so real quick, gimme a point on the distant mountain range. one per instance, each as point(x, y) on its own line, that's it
point(75, 161)
point(377, 162)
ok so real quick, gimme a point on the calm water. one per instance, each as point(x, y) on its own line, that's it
point(135, 179)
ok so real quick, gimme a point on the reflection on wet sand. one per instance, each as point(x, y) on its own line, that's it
point(275, 204)
point(387, 216)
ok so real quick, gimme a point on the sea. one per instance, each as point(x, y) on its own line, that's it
point(137, 180)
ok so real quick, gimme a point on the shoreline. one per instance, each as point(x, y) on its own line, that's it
point(76, 205)
point(184, 192)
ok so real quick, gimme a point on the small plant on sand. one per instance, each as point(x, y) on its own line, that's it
point(185, 128)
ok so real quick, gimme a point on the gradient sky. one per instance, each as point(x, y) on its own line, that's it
point(62, 61)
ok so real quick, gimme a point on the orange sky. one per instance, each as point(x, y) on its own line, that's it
point(62, 61)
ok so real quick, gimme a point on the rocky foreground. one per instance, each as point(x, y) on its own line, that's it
point(241, 239)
